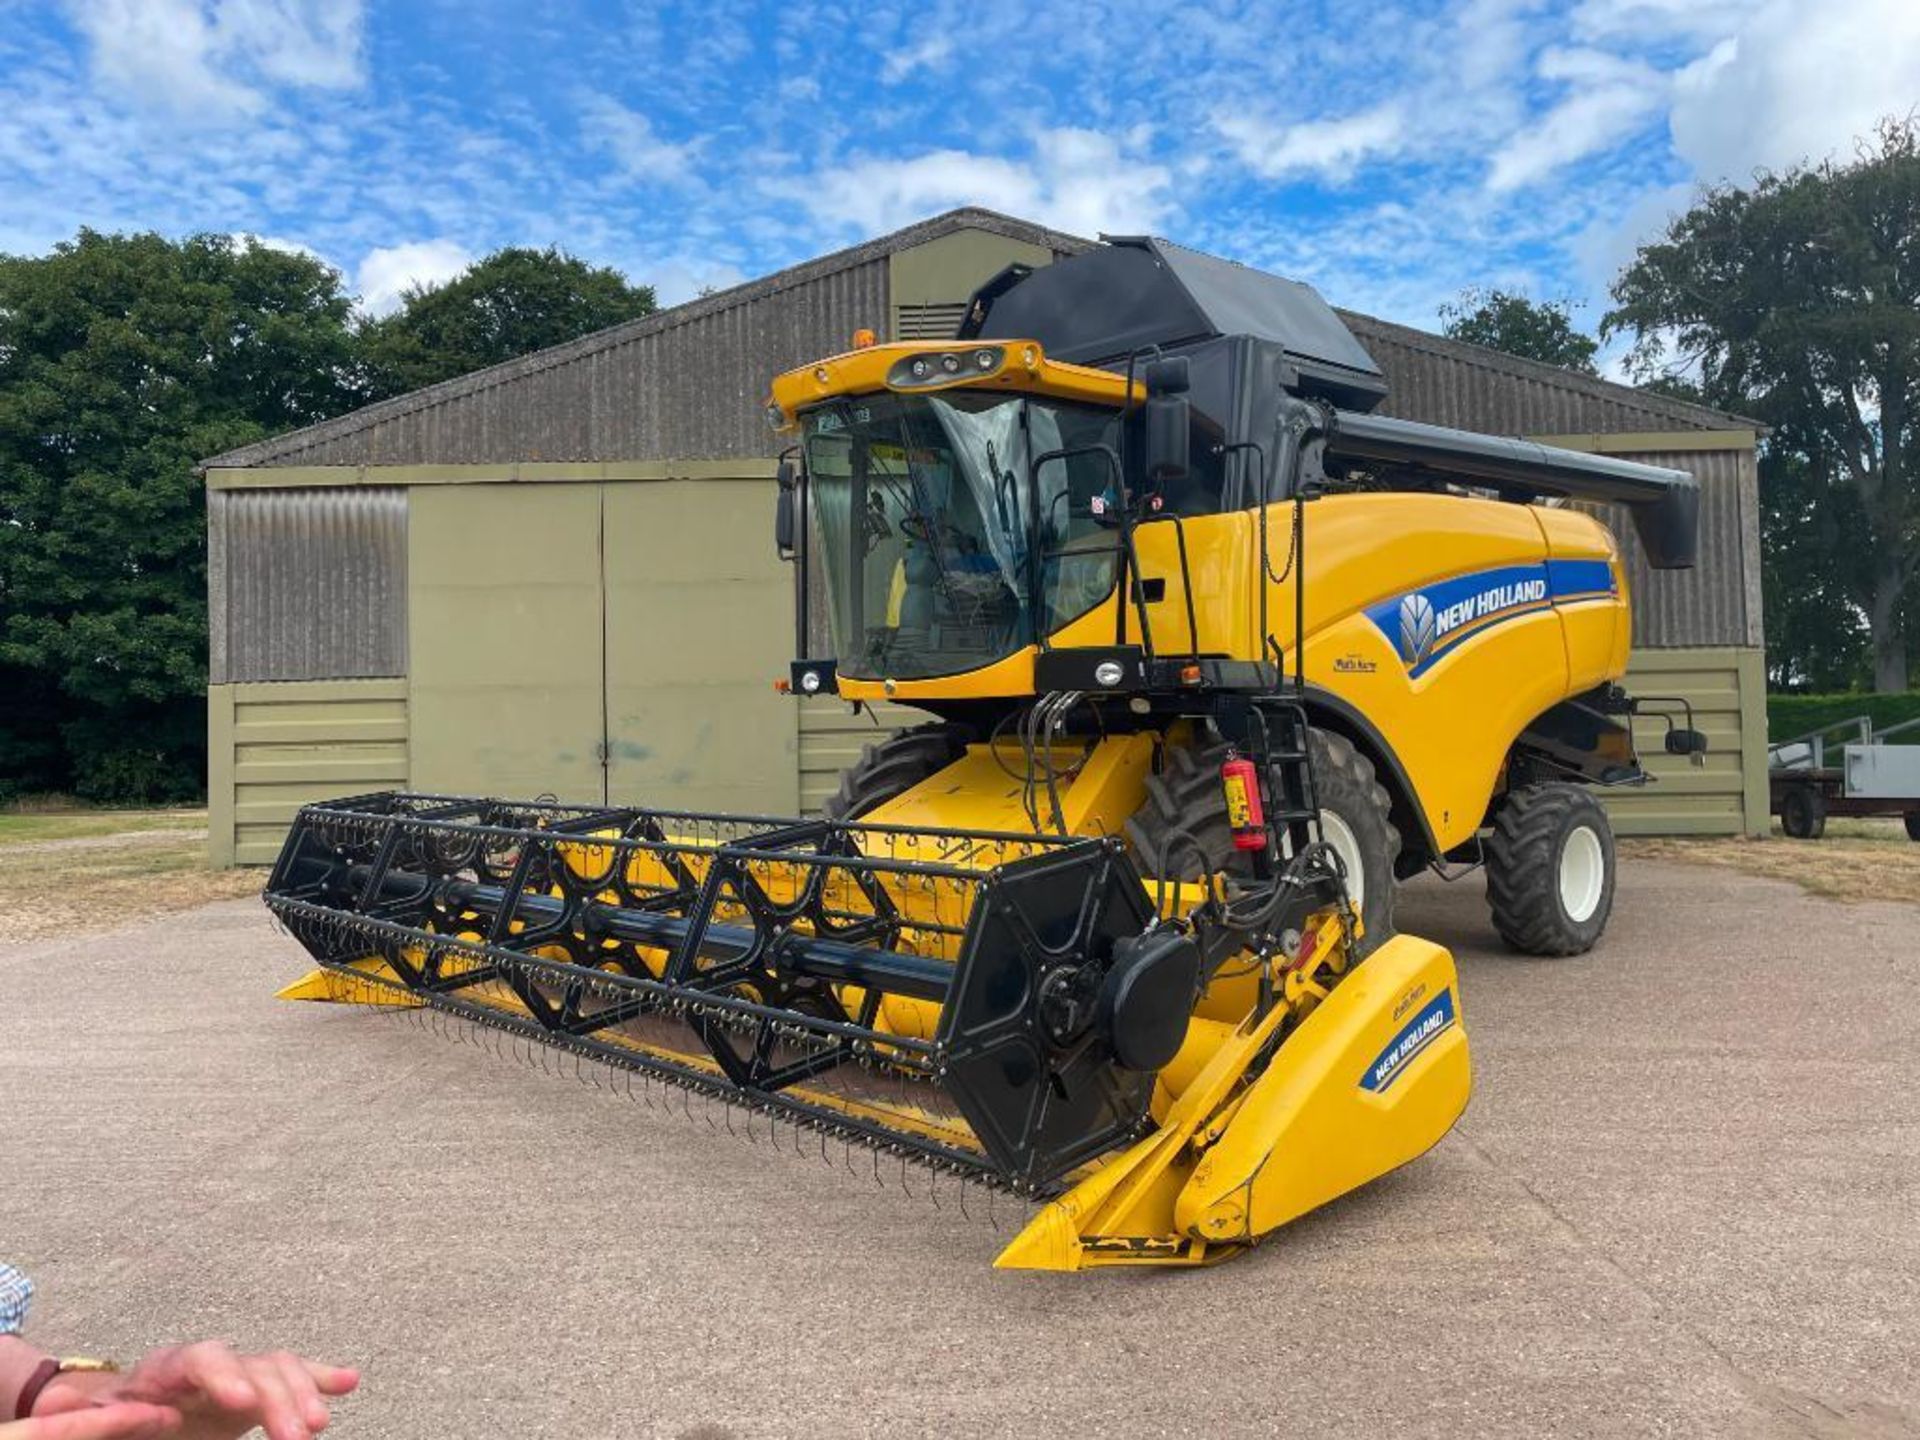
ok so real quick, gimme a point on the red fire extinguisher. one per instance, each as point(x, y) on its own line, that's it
point(1245, 817)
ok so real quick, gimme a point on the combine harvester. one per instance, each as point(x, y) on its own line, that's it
point(1116, 931)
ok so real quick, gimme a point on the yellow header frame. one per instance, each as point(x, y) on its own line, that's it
point(1024, 367)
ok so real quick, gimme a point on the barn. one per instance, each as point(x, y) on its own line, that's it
point(556, 576)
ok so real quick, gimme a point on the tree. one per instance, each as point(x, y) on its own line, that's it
point(1513, 324)
point(512, 303)
point(124, 360)
point(1797, 300)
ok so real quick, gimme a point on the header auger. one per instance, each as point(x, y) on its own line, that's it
point(1114, 931)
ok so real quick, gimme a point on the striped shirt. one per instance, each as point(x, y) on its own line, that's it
point(16, 1294)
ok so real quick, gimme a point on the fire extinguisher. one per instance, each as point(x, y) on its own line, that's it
point(1245, 815)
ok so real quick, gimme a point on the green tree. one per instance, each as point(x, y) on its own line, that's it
point(1532, 329)
point(1797, 300)
point(512, 303)
point(124, 360)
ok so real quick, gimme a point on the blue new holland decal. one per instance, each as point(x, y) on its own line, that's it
point(1424, 624)
point(1418, 1033)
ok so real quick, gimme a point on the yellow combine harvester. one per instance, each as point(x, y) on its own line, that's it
point(1115, 931)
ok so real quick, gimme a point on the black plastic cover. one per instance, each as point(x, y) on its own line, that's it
point(1099, 307)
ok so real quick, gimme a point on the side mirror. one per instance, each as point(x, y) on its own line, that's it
point(786, 510)
point(1169, 423)
point(1682, 741)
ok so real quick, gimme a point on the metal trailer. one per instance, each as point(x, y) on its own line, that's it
point(1846, 768)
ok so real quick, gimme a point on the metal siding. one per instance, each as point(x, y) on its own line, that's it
point(688, 391)
point(694, 642)
point(1443, 382)
point(507, 692)
point(1725, 687)
point(307, 584)
point(282, 746)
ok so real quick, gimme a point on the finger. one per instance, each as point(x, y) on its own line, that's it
point(306, 1395)
point(332, 1379)
point(278, 1412)
point(217, 1373)
point(121, 1421)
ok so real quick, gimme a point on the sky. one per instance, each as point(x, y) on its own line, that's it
point(1390, 154)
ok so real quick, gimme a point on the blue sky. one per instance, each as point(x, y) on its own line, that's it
point(1391, 154)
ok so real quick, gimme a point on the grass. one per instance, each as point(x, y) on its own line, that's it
point(76, 871)
point(32, 826)
point(1854, 860)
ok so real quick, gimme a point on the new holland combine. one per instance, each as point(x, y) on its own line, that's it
point(1215, 656)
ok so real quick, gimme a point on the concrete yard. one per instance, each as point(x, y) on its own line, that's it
point(1685, 1200)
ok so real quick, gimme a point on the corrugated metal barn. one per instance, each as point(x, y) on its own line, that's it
point(556, 576)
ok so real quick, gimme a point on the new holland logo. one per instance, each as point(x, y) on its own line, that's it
point(1417, 628)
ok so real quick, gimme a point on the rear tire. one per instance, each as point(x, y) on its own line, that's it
point(889, 768)
point(1803, 812)
point(1355, 820)
point(1550, 870)
point(1912, 817)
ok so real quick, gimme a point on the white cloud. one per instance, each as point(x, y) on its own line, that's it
point(629, 139)
point(929, 54)
point(388, 272)
point(273, 242)
point(1610, 100)
point(1331, 148)
point(680, 279)
point(1082, 181)
point(1636, 21)
point(1796, 83)
point(216, 60)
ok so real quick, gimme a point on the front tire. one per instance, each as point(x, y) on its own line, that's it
point(1550, 870)
point(889, 768)
point(1355, 819)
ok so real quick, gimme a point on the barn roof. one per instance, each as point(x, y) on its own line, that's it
point(627, 392)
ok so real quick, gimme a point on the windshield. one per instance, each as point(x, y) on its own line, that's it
point(938, 556)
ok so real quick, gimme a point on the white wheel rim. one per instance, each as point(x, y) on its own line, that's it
point(1337, 833)
point(1583, 874)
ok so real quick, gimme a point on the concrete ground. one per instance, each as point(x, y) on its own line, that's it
point(1685, 1200)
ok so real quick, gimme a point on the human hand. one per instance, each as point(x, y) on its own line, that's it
point(101, 1422)
point(215, 1394)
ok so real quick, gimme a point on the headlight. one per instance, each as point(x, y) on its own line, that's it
point(776, 417)
point(944, 367)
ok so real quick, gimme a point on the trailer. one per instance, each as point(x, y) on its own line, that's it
point(1846, 768)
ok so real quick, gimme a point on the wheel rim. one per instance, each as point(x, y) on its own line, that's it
point(1346, 844)
point(1583, 874)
